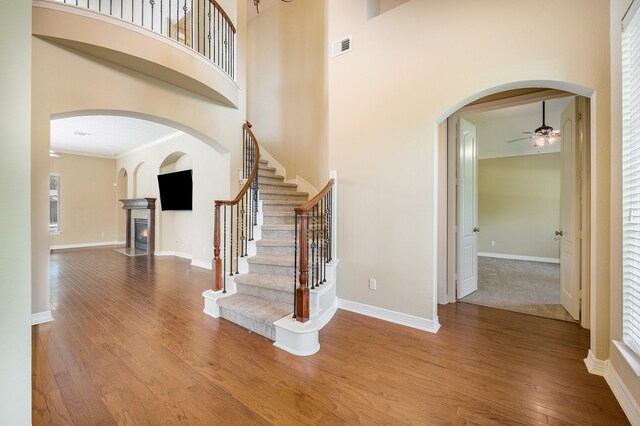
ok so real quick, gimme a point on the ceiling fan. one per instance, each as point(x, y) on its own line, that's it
point(543, 135)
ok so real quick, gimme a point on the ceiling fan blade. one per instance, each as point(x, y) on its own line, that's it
point(555, 133)
point(527, 133)
point(521, 139)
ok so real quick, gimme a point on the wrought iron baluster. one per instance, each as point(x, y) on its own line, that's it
point(161, 23)
point(178, 21)
point(184, 8)
point(242, 242)
point(209, 16)
point(191, 41)
point(142, 11)
point(152, 2)
point(169, 20)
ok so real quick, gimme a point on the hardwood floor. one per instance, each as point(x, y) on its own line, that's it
point(130, 345)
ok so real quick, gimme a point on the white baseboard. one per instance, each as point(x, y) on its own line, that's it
point(518, 257)
point(201, 264)
point(173, 253)
point(412, 321)
point(621, 392)
point(594, 365)
point(41, 317)
point(84, 245)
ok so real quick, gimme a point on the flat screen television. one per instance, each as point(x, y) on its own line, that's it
point(176, 190)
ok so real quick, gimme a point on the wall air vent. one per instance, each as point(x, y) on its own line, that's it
point(341, 46)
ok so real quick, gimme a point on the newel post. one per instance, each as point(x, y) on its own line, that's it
point(217, 262)
point(302, 291)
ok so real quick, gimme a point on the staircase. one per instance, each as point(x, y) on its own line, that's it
point(265, 293)
point(268, 278)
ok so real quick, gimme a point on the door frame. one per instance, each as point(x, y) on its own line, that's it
point(451, 148)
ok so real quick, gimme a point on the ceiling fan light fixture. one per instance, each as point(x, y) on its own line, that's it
point(539, 143)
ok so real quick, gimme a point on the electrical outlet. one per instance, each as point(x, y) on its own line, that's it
point(493, 243)
point(372, 284)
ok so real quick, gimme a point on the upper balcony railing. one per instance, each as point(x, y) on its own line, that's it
point(201, 25)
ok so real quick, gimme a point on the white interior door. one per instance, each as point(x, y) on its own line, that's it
point(467, 210)
point(569, 230)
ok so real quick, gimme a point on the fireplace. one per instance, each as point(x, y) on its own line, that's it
point(141, 234)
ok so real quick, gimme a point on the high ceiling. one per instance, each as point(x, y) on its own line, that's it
point(105, 135)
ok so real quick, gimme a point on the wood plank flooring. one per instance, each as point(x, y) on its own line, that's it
point(130, 345)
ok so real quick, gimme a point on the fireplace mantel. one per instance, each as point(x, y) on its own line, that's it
point(148, 204)
point(138, 203)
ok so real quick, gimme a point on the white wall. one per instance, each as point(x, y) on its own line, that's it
point(188, 233)
point(409, 69)
point(15, 250)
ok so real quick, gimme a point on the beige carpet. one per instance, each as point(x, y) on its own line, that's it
point(520, 286)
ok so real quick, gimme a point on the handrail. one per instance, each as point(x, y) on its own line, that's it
point(201, 25)
point(315, 200)
point(254, 172)
point(226, 17)
point(314, 239)
point(246, 208)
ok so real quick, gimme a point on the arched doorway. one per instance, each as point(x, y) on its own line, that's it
point(450, 260)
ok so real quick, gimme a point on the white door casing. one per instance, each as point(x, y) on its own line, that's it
point(467, 210)
point(569, 193)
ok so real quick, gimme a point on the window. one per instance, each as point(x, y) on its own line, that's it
point(54, 204)
point(631, 178)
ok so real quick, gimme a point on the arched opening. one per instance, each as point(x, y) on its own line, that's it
point(453, 264)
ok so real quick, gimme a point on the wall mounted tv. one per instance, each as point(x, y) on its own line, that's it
point(176, 190)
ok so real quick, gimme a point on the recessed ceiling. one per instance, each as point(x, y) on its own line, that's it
point(105, 135)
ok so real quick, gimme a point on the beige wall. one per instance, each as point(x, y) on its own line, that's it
point(77, 84)
point(409, 69)
point(519, 205)
point(88, 199)
point(187, 234)
point(15, 253)
point(287, 99)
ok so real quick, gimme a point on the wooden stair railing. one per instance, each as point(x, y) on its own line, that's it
point(245, 205)
point(313, 248)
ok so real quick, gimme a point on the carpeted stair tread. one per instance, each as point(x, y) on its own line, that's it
point(278, 214)
point(292, 202)
point(271, 260)
point(285, 186)
point(273, 282)
point(253, 313)
point(270, 191)
point(279, 227)
point(276, 243)
point(266, 168)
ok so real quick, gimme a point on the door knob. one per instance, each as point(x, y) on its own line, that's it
point(558, 233)
point(476, 229)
